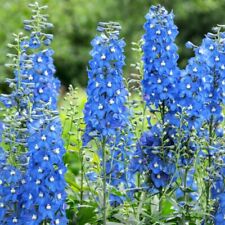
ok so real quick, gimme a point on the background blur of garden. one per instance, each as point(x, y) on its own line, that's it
point(75, 25)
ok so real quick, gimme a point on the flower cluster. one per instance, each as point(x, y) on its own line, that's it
point(105, 113)
point(160, 59)
point(105, 110)
point(161, 76)
point(34, 188)
point(202, 84)
point(44, 198)
point(148, 159)
point(202, 94)
point(14, 133)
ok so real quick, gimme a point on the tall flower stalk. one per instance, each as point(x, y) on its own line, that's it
point(44, 198)
point(32, 138)
point(14, 133)
point(106, 116)
point(161, 75)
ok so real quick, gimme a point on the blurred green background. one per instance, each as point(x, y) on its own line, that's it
point(75, 25)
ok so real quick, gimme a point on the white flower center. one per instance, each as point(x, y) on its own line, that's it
point(163, 63)
point(195, 70)
point(111, 101)
point(217, 59)
point(38, 182)
point(43, 138)
point(109, 84)
point(30, 77)
point(15, 220)
point(12, 173)
point(168, 48)
point(159, 81)
point(57, 151)
point(34, 217)
point(100, 106)
point(103, 57)
point(188, 86)
point(48, 207)
point(39, 59)
point(52, 128)
point(59, 196)
point(211, 47)
point(112, 49)
point(46, 158)
point(23, 181)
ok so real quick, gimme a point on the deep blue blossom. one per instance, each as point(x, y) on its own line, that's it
point(44, 195)
point(156, 161)
point(160, 86)
point(161, 73)
point(204, 79)
point(13, 134)
point(105, 114)
point(33, 184)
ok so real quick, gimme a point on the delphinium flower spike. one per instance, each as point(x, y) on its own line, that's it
point(105, 114)
point(14, 132)
point(43, 198)
point(202, 92)
point(212, 75)
point(161, 74)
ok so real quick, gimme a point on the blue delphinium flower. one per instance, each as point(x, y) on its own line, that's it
point(160, 59)
point(43, 199)
point(14, 133)
point(161, 75)
point(204, 79)
point(159, 168)
point(202, 84)
point(105, 113)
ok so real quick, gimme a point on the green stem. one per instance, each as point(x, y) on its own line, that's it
point(160, 200)
point(208, 184)
point(82, 177)
point(104, 182)
point(184, 216)
point(162, 111)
